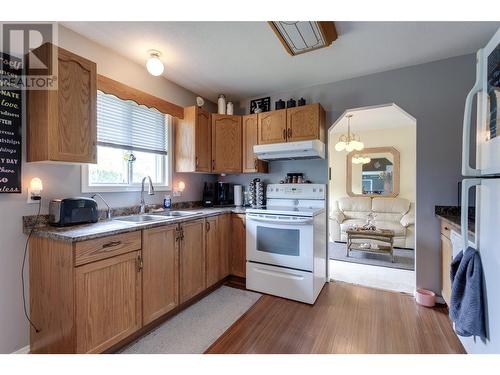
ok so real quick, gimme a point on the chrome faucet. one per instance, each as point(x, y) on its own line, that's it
point(108, 214)
point(151, 191)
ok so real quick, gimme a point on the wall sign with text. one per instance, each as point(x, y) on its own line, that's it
point(10, 124)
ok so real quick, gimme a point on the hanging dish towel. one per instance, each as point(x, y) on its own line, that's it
point(466, 303)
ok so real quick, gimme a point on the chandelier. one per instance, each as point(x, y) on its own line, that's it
point(349, 141)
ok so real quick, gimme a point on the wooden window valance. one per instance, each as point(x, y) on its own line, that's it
point(122, 91)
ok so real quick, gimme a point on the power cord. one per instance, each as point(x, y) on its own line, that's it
point(24, 262)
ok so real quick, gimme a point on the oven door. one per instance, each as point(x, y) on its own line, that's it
point(279, 240)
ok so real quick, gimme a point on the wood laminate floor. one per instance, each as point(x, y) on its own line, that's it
point(345, 319)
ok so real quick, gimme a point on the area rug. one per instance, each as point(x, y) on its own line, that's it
point(193, 330)
point(403, 259)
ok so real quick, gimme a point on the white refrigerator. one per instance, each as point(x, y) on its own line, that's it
point(485, 177)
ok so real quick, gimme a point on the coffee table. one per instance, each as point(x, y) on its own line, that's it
point(386, 236)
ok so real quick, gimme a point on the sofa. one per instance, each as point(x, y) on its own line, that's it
point(396, 214)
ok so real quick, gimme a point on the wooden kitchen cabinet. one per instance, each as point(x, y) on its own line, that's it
point(305, 123)
point(108, 301)
point(225, 238)
point(250, 131)
point(191, 259)
point(446, 258)
point(237, 248)
point(271, 127)
point(213, 253)
point(226, 144)
point(62, 123)
point(160, 253)
point(292, 124)
point(218, 233)
point(193, 141)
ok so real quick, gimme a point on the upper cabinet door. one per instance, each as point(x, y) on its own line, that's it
point(272, 127)
point(62, 123)
point(305, 123)
point(226, 144)
point(250, 162)
point(193, 141)
point(203, 141)
point(77, 116)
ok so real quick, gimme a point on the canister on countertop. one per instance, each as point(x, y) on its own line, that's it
point(238, 195)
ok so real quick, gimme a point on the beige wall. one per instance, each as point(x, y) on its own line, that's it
point(63, 180)
point(403, 139)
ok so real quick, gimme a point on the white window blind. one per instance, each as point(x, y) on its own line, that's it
point(125, 124)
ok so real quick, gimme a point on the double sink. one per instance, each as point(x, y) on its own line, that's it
point(160, 216)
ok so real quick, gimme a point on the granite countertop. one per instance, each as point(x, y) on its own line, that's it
point(451, 215)
point(105, 228)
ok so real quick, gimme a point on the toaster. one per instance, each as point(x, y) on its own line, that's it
point(71, 211)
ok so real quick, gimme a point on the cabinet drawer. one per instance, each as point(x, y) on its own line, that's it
point(106, 247)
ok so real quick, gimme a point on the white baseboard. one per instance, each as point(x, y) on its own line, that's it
point(24, 350)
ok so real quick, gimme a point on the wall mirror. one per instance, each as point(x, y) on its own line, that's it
point(373, 172)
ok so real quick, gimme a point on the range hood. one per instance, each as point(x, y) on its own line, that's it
point(314, 149)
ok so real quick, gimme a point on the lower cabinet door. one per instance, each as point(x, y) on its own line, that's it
point(192, 259)
point(237, 248)
point(446, 258)
point(212, 246)
point(160, 275)
point(108, 301)
point(225, 236)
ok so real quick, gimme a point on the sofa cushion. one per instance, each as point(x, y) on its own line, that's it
point(356, 204)
point(399, 230)
point(391, 205)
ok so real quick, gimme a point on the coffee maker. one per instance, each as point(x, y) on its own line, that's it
point(223, 194)
point(208, 195)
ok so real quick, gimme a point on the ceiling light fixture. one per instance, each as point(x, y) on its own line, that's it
point(350, 141)
point(154, 64)
point(303, 36)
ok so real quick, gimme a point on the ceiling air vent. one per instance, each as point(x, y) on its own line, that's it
point(303, 36)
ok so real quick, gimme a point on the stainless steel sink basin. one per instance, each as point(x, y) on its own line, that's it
point(176, 213)
point(139, 218)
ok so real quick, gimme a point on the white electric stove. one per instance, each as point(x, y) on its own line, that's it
point(286, 242)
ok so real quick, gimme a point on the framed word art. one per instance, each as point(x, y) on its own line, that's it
point(10, 124)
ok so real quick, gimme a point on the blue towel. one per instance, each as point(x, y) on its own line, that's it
point(466, 303)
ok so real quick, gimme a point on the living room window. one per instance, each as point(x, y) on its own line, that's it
point(132, 142)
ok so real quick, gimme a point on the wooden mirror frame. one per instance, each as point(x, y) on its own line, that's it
point(374, 150)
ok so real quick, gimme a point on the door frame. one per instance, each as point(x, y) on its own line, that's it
point(329, 177)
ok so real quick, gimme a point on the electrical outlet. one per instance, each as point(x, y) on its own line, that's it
point(30, 199)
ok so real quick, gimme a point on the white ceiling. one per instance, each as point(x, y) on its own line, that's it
point(386, 116)
point(246, 59)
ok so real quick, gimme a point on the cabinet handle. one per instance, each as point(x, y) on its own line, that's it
point(182, 233)
point(197, 161)
point(111, 244)
point(207, 226)
point(284, 133)
point(289, 132)
point(140, 263)
point(255, 164)
point(213, 164)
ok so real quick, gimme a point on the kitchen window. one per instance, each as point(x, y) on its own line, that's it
point(132, 142)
